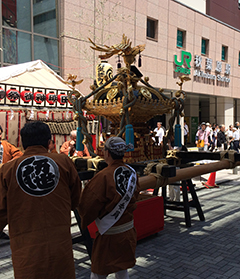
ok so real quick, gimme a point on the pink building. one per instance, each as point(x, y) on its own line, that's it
point(179, 40)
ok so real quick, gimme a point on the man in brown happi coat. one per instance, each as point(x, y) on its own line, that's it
point(110, 199)
point(37, 193)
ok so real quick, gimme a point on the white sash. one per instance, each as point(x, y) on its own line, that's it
point(111, 218)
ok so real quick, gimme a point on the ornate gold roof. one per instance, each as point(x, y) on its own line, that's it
point(142, 110)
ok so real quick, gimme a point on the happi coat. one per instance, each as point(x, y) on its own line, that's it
point(111, 253)
point(9, 151)
point(65, 149)
point(37, 193)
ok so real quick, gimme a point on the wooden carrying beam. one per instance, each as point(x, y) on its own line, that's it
point(150, 181)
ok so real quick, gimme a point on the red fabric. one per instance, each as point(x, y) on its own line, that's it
point(93, 141)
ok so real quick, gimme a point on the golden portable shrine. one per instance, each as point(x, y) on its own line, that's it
point(128, 101)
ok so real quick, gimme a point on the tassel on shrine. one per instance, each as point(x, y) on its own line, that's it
point(119, 62)
point(139, 60)
point(129, 135)
point(177, 138)
point(79, 144)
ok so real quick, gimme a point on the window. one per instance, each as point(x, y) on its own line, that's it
point(16, 47)
point(46, 49)
point(16, 14)
point(224, 53)
point(29, 31)
point(152, 27)
point(204, 48)
point(181, 38)
point(239, 58)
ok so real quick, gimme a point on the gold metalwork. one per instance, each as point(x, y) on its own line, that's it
point(93, 87)
point(146, 79)
point(180, 83)
point(182, 80)
point(71, 79)
point(112, 93)
point(146, 94)
point(76, 116)
point(124, 49)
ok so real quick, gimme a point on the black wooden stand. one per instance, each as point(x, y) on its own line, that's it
point(186, 203)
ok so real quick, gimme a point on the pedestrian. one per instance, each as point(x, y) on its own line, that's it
point(237, 125)
point(210, 130)
point(229, 135)
point(235, 138)
point(186, 132)
point(110, 199)
point(158, 133)
point(201, 139)
point(37, 193)
point(221, 138)
point(69, 147)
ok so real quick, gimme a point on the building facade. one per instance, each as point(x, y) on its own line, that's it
point(180, 37)
point(30, 31)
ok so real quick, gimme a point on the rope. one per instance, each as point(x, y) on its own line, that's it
point(161, 180)
point(231, 157)
point(93, 162)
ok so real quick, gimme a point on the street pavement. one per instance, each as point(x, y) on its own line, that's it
point(208, 249)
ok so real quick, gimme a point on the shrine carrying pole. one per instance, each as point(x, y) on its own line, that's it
point(150, 181)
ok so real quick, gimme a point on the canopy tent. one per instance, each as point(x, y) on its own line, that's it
point(35, 74)
point(33, 77)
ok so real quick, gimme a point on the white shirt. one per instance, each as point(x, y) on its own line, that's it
point(230, 133)
point(236, 135)
point(159, 134)
point(186, 131)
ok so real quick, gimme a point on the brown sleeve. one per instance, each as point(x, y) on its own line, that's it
point(75, 185)
point(64, 148)
point(15, 152)
point(90, 204)
point(3, 202)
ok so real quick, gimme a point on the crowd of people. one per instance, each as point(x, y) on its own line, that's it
point(217, 138)
point(209, 137)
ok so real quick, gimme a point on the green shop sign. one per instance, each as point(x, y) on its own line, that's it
point(186, 58)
